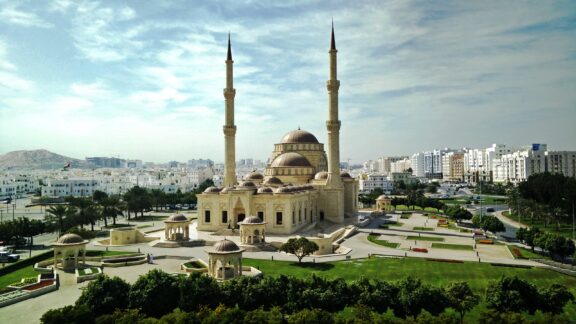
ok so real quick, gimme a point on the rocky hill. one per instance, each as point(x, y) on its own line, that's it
point(37, 159)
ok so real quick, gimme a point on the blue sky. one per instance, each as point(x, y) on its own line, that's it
point(144, 79)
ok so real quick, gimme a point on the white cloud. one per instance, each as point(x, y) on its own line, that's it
point(14, 16)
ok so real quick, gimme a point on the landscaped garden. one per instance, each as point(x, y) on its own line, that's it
point(477, 275)
point(374, 239)
point(462, 247)
point(425, 238)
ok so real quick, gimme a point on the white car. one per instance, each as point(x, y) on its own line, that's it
point(8, 257)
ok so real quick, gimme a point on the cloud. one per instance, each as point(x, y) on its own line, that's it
point(13, 16)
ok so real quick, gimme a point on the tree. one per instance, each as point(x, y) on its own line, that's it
point(413, 297)
point(458, 213)
point(461, 298)
point(155, 293)
point(555, 244)
point(58, 215)
point(511, 294)
point(111, 207)
point(104, 295)
point(528, 236)
point(198, 290)
point(300, 247)
point(554, 298)
point(68, 314)
point(29, 228)
point(489, 223)
point(81, 204)
point(98, 196)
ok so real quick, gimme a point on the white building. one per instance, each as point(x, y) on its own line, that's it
point(417, 163)
point(385, 163)
point(563, 162)
point(401, 165)
point(78, 187)
point(518, 166)
point(373, 181)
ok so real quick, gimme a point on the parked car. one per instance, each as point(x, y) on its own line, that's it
point(489, 210)
point(8, 257)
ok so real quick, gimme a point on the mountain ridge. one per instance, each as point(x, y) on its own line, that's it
point(38, 159)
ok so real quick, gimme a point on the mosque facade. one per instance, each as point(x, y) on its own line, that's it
point(301, 185)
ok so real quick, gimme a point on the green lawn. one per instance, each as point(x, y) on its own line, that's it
point(526, 253)
point(420, 228)
point(425, 238)
point(477, 275)
point(404, 207)
point(374, 239)
point(453, 246)
point(565, 229)
point(394, 224)
point(17, 275)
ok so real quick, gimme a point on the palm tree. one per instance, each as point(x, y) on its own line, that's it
point(92, 214)
point(111, 207)
point(82, 204)
point(57, 214)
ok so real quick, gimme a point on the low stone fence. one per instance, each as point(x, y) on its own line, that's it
point(22, 293)
point(81, 278)
point(123, 261)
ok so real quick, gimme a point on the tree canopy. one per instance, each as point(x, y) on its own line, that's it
point(300, 247)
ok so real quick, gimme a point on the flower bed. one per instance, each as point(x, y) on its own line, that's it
point(87, 274)
point(485, 241)
point(422, 250)
point(11, 295)
point(41, 284)
point(517, 252)
point(24, 282)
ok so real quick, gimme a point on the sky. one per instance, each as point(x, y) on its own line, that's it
point(144, 79)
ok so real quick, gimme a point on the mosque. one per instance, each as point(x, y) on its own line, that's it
point(301, 186)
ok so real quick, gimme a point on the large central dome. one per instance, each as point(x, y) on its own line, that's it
point(290, 159)
point(299, 136)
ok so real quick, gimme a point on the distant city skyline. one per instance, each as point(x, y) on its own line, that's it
point(144, 80)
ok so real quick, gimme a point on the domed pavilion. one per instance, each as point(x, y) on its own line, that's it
point(225, 260)
point(177, 228)
point(67, 249)
point(252, 230)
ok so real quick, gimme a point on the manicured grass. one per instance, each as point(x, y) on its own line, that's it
point(195, 264)
point(144, 226)
point(374, 239)
point(16, 276)
point(420, 228)
point(526, 253)
point(565, 229)
point(431, 209)
point(84, 272)
point(394, 224)
point(404, 207)
point(406, 216)
point(425, 238)
point(477, 275)
point(453, 246)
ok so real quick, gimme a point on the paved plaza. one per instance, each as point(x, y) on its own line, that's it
point(170, 259)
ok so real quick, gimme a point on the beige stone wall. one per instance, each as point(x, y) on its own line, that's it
point(298, 210)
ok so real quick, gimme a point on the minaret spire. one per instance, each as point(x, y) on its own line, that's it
point(229, 127)
point(332, 41)
point(334, 185)
point(229, 57)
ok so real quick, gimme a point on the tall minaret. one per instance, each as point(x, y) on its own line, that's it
point(333, 124)
point(229, 127)
point(334, 200)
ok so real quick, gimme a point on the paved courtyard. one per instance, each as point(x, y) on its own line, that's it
point(29, 311)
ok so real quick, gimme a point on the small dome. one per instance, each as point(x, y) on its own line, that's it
point(177, 218)
point(345, 174)
point(299, 136)
point(247, 184)
point(382, 197)
point(273, 180)
point(226, 246)
point(254, 176)
point(322, 175)
point(284, 190)
point(252, 220)
point(212, 190)
point(70, 239)
point(264, 190)
point(290, 159)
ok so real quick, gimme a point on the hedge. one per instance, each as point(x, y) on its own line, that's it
point(26, 262)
